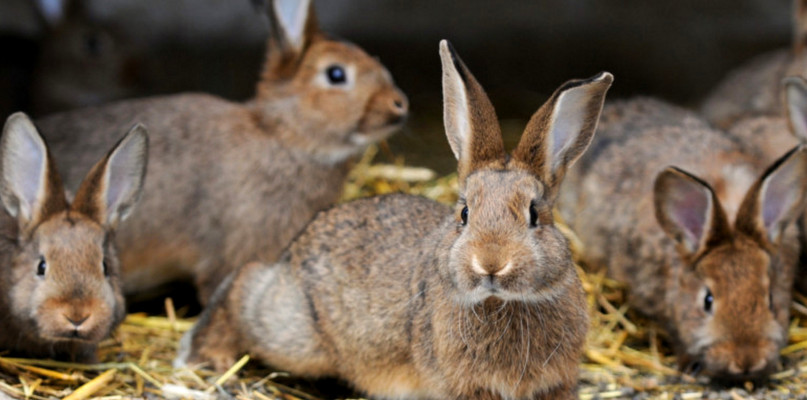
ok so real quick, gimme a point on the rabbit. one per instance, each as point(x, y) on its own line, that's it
point(60, 289)
point(235, 182)
point(773, 134)
point(404, 297)
point(82, 61)
point(700, 231)
point(753, 89)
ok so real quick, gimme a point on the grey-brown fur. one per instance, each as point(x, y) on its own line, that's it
point(610, 204)
point(406, 298)
point(754, 88)
point(60, 289)
point(228, 182)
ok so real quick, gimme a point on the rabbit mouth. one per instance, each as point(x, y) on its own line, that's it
point(365, 135)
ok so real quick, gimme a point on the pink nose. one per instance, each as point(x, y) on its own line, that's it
point(77, 321)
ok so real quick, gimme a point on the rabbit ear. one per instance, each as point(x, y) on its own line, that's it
point(31, 188)
point(293, 24)
point(796, 101)
point(471, 125)
point(776, 199)
point(799, 26)
point(113, 186)
point(688, 211)
point(53, 12)
point(561, 130)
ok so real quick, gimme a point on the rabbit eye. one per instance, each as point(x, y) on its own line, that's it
point(41, 267)
point(106, 267)
point(464, 215)
point(92, 44)
point(533, 216)
point(336, 75)
point(707, 301)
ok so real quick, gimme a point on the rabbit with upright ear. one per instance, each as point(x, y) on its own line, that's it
point(83, 62)
point(406, 298)
point(702, 233)
point(60, 290)
point(772, 135)
point(228, 182)
point(754, 88)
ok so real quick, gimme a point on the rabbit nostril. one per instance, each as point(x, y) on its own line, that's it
point(398, 103)
point(77, 321)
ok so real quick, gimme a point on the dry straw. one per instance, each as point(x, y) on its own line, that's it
point(626, 357)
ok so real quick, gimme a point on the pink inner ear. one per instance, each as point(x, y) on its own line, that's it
point(780, 193)
point(687, 207)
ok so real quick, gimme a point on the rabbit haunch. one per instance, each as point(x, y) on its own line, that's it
point(407, 298)
point(230, 183)
point(60, 288)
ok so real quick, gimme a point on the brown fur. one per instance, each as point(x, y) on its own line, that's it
point(77, 299)
point(612, 207)
point(754, 88)
point(230, 183)
point(403, 298)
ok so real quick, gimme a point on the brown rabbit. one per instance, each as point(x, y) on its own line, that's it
point(82, 62)
point(754, 88)
point(228, 182)
point(706, 246)
point(406, 298)
point(60, 291)
point(773, 134)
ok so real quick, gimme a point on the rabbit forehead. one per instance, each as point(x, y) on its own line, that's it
point(71, 240)
point(501, 187)
point(738, 270)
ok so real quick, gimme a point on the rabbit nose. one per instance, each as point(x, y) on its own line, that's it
point(490, 267)
point(746, 368)
point(77, 321)
point(399, 104)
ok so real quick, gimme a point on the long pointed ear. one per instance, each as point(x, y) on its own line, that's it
point(776, 199)
point(471, 124)
point(109, 192)
point(688, 211)
point(55, 12)
point(796, 105)
point(30, 188)
point(293, 25)
point(561, 130)
point(799, 26)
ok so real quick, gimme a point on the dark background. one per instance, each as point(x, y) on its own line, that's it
point(519, 50)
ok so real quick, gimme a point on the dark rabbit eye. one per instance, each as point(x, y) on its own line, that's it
point(106, 267)
point(336, 75)
point(40, 269)
point(92, 44)
point(533, 216)
point(464, 215)
point(707, 301)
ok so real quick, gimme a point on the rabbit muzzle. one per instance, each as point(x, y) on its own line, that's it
point(75, 320)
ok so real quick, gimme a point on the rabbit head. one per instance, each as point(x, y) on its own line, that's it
point(83, 62)
point(63, 273)
point(505, 244)
point(730, 314)
point(338, 97)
